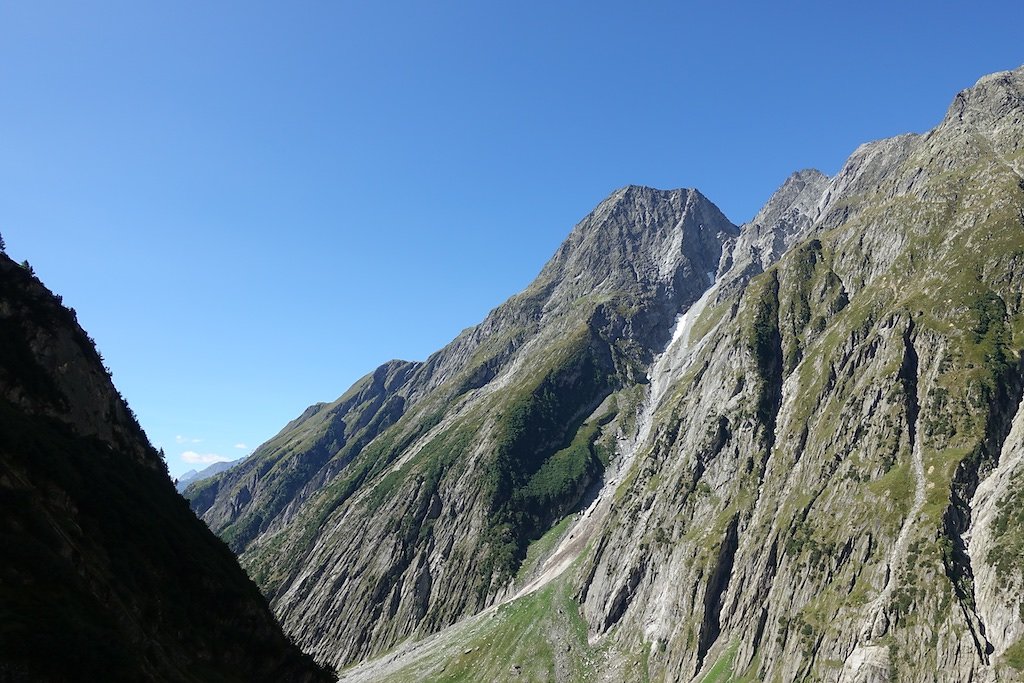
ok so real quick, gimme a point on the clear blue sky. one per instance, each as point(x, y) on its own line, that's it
point(252, 204)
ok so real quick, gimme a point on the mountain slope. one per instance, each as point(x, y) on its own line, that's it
point(106, 575)
point(807, 497)
point(452, 466)
point(805, 470)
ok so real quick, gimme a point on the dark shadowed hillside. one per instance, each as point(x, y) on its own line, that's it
point(105, 574)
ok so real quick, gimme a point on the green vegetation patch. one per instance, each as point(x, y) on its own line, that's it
point(539, 637)
point(1014, 656)
point(722, 671)
point(543, 459)
point(539, 549)
point(708, 319)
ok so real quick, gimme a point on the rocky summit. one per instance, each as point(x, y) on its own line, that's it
point(690, 451)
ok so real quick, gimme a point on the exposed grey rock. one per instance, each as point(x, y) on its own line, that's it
point(785, 220)
point(816, 450)
point(603, 304)
point(837, 429)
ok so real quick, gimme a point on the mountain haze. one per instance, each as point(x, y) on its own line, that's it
point(193, 476)
point(786, 451)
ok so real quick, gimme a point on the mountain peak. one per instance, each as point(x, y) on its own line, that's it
point(1001, 77)
point(633, 195)
point(641, 239)
point(783, 220)
point(793, 451)
point(991, 100)
point(799, 189)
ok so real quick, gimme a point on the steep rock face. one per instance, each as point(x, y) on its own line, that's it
point(809, 471)
point(106, 575)
point(829, 492)
point(448, 468)
point(782, 222)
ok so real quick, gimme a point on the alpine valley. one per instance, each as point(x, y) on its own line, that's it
point(789, 450)
point(689, 451)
